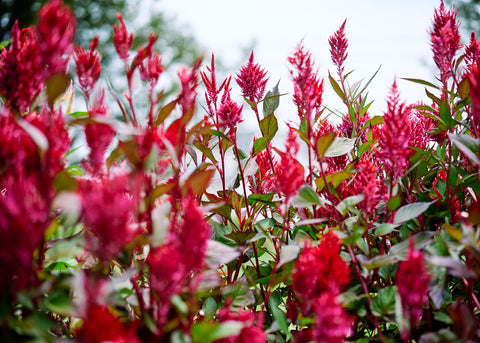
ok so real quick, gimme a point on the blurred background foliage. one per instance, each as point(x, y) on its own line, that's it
point(469, 14)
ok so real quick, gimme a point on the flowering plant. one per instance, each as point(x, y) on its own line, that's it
point(362, 230)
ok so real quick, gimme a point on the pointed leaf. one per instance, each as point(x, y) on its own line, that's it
point(340, 146)
point(323, 142)
point(410, 211)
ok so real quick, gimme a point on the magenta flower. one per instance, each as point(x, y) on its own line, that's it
point(55, 30)
point(395, 135)
point(88, 66)
point(474, 91)
point(252, 80)
point(150, 62)
point(189, 84)
point(338, 48)
point(366, 181)
point(21, 71)
point(252, 332)
point(445, 39)
point(308, 88)
point(412, 280)
point(122, 39)
point(332, 323)
point(264, 180)
point(229, 113)
point(472, 51)
point(108, 230)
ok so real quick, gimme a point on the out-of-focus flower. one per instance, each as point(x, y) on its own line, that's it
point(252, 80)
point(474, 82)
point(88, 66)
point(338, 48)
point(108, 212)
point(21, 71)
point(332, 323)
point(252, 332)
point(308, 88)
point(122, 39)
point(472, 52)
point(412, 280)
point(394, 134)
point(346, 126)
point(445, 39)
point(290, 171)
point(189, 84)
point(55, 30)
point(264, 180)
point(150, 62)
point(100, 325)
point(419, 131)
point(320, 269)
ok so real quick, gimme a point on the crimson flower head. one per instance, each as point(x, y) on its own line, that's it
point(394, 138)
point(338, 47)
point(445, 39)
point(320, 269)
point(189, 84)
point(252, 331)
point(474, 82)
point(122, 39)
point(412, 280)
point(88, 66)
point(332, 323)
point(252, 80)
point(472, 51)
point(308, 88)
point(229, 112)
point(56, 31)
point(150, 62)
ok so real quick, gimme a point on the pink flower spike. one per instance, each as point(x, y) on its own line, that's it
point(189, 84)
point(332, 323)
point(122, 40)
point(472, 51)
point(252, 80)
point(338, 47)
point(88, 66)
point(229, 113)
point(445, 39)
point(474, 82)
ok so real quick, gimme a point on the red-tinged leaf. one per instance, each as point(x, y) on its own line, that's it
point(199, 181)
point(161, 190)
point(165, 112)
point(464, 88)
point(271, 101)
point(422, 82)
point(433, 97)
point(323, 142)
point(56, 86)
point(269, 125)
point(336, 87)
point(376, 120)
point(205, 151)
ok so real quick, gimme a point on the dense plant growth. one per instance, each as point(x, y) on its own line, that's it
point(362, 230)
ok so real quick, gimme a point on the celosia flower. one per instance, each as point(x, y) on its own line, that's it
point(150, 62)
point(290, 171)
point(229, 113)
point(189, 84)
point(108, 212)
point(445, 39)
point(88, 66)
point(122, 40)
point(320, 269)
point(308, 88)
point(472, 52)
point(212, 92)
point(412, 280)
point(474, 91)
point(252, 331)
point(55, 30)
point(419, 127)
point(394, 134)
point(332, 323)
point(98, 136)
point(264, 180)
point(100, 325)
point(21, 70)
point(338, 47)
point(252, 81)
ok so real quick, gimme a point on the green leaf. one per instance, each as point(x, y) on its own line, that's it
point(466, 144)
point(422, 82)
point(271, 101)
point(308, 194)
point(261, 198)
point(78, 114)
point(384, 303)
point(323, 142)
point(410, 211)
point(209, 306)
point(340, 146)
point(56, 86)
point(269, 125)
point(219, 254)
point(376, 120)
point(260, 144)
point(379, 261)
point(336, 87)
point(384, 229)
point(209, 332)
point(421, 239)
point(348, 203)
point(165, 112)
point(288, 254)
point(36, 135)
point(394, 202)
point(273, 302)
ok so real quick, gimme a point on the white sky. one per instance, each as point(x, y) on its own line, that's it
point(390, 33)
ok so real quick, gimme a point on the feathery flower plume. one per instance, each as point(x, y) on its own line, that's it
point(290, 172)
point(150, 62)
point(56, 31)
point(229, 113)
point(252, 331)
point(88, 66)
point(189, 83)
point(308, 88)
point(472, 51)
point(264, 179)
point(474, 91)
point(122, 39)
point(320, 269)
point(252, 81)
point(412, 280)
point(21, 70)
point(395, 135)
point(332, 323)
point(338, 48)
point(445, 39)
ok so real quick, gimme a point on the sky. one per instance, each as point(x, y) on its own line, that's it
point(392, 35)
